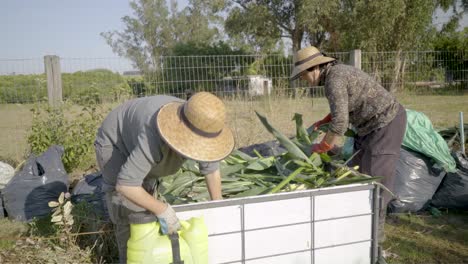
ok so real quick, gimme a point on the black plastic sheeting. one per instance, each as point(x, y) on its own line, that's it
point(89, 190)
point(41, 180)
point(417, 179)
point(453, 192)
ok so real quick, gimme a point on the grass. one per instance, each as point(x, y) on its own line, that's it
point(410, 238)
point(15, 122)
point(15, 119)
point(427, 239)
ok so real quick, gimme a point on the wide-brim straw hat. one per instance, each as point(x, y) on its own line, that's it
point(306, 58)
point(196, 128)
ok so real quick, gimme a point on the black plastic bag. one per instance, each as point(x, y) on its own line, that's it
point(89, 190)
point(453, 192)
point(266, 149)
point(41, 180)
point(417, 179)
point(2, 209)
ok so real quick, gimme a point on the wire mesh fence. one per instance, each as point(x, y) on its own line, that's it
point(241, 80)
point(249, 76)
point(420, 72)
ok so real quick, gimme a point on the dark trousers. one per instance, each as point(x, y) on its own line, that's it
point(378, 155)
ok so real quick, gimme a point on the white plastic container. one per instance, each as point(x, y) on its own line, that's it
point(321, 226)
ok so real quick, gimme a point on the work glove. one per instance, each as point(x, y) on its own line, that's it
point(168, 221)
point(327, 119)
point(322, 147)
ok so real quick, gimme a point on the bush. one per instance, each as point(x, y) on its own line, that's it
point(23, 88)
point(95, 86)
point(74, 131)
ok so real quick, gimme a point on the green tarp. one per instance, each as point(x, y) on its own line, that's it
point(421, 137)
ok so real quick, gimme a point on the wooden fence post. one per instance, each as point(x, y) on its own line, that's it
point(355, 58)
point(54, 79)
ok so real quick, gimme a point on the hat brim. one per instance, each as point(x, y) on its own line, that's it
point(186, 142)
point(299, 69)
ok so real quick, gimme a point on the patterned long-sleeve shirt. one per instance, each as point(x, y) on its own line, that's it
point(356, 98)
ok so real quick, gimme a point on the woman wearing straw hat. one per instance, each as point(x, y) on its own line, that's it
point(148, 138)
point(356, 99)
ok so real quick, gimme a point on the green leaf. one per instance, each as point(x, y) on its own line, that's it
point(325, 157)
point(191, 165)
point(261, 164)
point(286, 142)
point(317, 159)
point(252, 192)
point(354, 180)
point(181, 181)
point(230, 169)
point(350, 133)
point(238, 156)
point(301, 132)
point(287, 180)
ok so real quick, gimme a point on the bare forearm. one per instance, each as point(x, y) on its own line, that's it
point(213, 182)
point(142, 198)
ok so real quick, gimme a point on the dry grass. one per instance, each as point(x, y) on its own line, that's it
point(15, 119)
point(414, 239)
point(248, 128)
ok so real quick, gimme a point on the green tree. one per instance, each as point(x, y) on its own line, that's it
point(200, 22)
point(263, 23)
point(193, 66)
point(382, 25)
point(155, 28)
point(452, 45)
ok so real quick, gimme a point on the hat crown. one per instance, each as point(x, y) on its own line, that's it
point(206, 112)
point(305, 53)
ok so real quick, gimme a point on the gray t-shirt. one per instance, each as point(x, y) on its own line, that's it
point(131, 130)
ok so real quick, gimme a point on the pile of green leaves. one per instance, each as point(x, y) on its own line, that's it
point(244, 175)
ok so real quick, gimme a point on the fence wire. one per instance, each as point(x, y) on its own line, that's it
point(111, 79)
point(244, 78)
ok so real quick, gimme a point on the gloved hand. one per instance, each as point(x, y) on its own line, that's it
point(322, 147)
point(327, 119)
point(168, 221)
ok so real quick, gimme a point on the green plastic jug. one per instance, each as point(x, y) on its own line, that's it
point(195, 233)
point(146, 245)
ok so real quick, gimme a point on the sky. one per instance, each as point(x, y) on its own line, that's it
point(31, 29)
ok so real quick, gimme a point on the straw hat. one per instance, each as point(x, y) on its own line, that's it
point(195, 129)
point(307, 58)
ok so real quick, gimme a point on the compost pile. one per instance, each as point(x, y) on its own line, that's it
point(245, 175)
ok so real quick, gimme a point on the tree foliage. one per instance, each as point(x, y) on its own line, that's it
point(337, 25)
point(264, 23)
point(154, 29)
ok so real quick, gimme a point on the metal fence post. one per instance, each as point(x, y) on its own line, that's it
point(54, 79)
point(355, 58)
point(376, 198)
